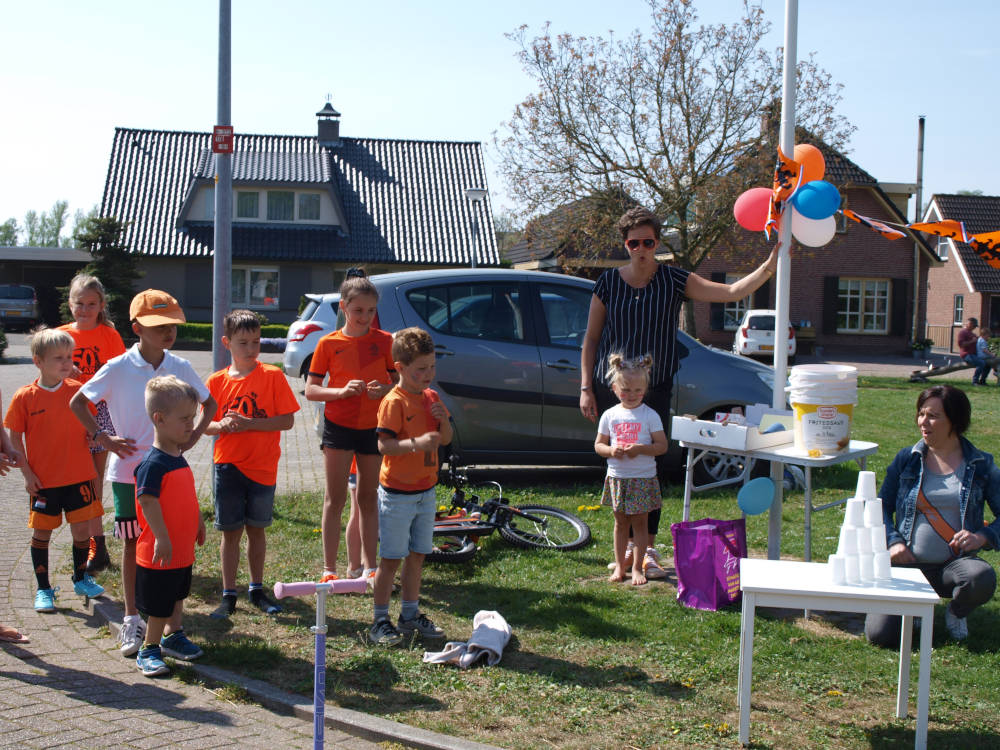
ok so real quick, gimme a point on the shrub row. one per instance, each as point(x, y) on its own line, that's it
point(203, 331)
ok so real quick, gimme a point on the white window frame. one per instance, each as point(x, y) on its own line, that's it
point(298, 206)
point(943, 247)
point(246, 302)
point(236, 206)
point(267, 209)
point(958, 310)
point(734, 311)
point(864, 298)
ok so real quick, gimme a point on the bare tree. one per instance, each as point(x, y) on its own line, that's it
point(671, 118)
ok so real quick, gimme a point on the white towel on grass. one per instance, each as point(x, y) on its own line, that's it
point(490, 634)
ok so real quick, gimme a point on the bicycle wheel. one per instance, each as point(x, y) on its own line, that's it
point(558, 529)
point(452, 549)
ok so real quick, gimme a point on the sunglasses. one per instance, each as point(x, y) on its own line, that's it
point(633, 244)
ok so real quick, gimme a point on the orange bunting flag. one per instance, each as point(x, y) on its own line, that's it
point(947, 228)
point(787, 177)
point(884, 229)
point(987, 247)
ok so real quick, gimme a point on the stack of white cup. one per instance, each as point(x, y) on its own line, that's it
point(861, 554)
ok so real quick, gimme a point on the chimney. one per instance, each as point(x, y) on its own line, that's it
point(329, 126)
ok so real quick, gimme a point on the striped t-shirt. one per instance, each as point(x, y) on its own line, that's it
point(641, 321)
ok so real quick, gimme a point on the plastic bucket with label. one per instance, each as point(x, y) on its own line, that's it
point(823, 399)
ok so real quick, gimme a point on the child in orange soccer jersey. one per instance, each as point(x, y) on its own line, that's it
point(412, 423)
point(96, 341)
point(358, 359)
point(58, 471)
point(255, 403)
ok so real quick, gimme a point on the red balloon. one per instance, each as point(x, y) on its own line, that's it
point(751, 208)
point(812, 161)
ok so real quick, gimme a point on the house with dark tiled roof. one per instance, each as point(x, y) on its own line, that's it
point(964, 286)
point(305, 209)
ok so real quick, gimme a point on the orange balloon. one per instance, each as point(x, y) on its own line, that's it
point(812, 161)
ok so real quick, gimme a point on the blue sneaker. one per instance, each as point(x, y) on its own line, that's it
point(150, 661)
point(87, 586)
point(45, 600)
point(179, 646)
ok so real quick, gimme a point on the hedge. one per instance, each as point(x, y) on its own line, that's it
point(203, 331)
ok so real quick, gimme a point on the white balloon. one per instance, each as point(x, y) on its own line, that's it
point(813, 232)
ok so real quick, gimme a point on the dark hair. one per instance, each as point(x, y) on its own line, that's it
point(356, 282)
point(956, 405)
point(974, 321)
point(638, 217)
point(240, 320)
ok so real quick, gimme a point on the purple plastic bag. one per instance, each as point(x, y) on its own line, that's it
point(707, 560)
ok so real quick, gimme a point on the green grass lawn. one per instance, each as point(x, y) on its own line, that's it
point(600, 665)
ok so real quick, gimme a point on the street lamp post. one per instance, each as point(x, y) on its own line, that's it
point(476, 196)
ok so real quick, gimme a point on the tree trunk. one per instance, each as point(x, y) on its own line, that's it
point(687, 319)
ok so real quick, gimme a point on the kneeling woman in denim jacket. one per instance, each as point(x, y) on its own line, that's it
point(933, 499)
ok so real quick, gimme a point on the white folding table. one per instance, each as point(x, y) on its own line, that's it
point(857, 450)
point(803, 585)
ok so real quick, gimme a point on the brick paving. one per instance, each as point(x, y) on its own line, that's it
point(70, 687)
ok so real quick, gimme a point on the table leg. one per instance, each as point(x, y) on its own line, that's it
point(903, 690)
point(924, 683)
point(688, 479)
point(808, 512)
point(746, 665)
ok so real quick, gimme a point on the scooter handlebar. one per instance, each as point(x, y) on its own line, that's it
point(307, 588)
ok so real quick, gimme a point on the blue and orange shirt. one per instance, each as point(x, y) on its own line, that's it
point(170, 480)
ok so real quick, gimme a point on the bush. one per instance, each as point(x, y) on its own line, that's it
point(3, 342)
point(203, 331)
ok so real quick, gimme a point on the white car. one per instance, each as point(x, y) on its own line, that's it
point(318, 318)
point(755, 335)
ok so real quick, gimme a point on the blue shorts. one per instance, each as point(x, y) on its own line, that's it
point(240, 501)
point(405, 522)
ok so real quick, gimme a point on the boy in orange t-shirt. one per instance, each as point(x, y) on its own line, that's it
point(255, 404)
point(58, 472)
point(412, 423)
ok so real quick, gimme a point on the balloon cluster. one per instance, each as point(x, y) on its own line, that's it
point(813, 204)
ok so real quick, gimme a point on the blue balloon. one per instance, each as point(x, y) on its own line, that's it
point(756, 496)
point(816, 200)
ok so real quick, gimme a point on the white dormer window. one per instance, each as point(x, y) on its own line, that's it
point(308, 206)
point(280, 205)
point(247, 204)
point(942, 247)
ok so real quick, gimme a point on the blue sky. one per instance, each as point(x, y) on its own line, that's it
point(70, 72)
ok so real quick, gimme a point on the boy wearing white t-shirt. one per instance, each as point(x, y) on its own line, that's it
point(121, 382)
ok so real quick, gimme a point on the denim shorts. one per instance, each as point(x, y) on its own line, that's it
point(240, 501)
point(405, 522)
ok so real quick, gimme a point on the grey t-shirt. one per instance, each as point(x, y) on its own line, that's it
point(943, 492)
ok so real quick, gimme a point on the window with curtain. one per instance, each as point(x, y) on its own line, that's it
point(280, 205)
point(309, 206)
point(247, 204)
point(863, 306)
point(959, 316)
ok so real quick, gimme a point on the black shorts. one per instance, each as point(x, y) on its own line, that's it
point(77, 501)
point(158, 591)
point(338, 437)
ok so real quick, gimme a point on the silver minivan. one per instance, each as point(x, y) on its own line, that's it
point(508, 363)
point(18, 306)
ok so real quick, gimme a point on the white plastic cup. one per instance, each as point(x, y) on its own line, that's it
point(838, 574)
point(855, 514)
point(852, 571)
point(866, 485)
point(848, 540)
point(866, 567)
point(873, 512)
point(883, 566)
point(878, 539)
point(864, 541)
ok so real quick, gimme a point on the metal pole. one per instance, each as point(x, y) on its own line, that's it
point(475, 232)
point(783, 280)
point(916, 212)
point(222, 255)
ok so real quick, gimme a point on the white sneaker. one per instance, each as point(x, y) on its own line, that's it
point(958, 628)
point(131, 634)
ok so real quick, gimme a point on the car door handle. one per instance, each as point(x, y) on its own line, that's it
point(562, 364)
point(443, 352)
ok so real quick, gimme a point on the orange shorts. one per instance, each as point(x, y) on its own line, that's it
point(78, 501)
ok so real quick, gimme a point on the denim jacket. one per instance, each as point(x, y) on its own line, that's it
point(980, 486)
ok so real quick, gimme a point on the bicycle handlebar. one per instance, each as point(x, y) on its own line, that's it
point(307, 588)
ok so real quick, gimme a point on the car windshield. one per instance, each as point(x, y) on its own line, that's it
point(15, 291)
point(762, 323)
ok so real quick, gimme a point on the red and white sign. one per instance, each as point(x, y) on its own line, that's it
point(222, 139)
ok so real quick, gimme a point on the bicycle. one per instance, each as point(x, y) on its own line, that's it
point(458, 530)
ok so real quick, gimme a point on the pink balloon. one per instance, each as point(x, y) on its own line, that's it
point(751, 208)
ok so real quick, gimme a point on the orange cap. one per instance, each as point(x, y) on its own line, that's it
point(155, 308)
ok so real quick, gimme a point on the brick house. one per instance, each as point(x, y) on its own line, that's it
point(964, 285)
point(305, 209)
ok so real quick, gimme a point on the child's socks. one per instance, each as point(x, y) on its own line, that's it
point(40, 561)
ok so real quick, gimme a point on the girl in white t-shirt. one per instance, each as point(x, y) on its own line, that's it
point(629, 436)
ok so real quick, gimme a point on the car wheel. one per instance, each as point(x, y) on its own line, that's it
point(791, 359)
point(304, 373)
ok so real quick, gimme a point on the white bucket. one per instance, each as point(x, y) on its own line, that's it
point(823, 398)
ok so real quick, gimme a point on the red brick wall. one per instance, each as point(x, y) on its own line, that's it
point(858, 253)
point(943, 284)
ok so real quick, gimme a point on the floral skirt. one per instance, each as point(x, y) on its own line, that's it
point(631, 496)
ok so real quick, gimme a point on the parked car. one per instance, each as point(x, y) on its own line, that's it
point(755, 335)
point(318, 318)
point(18, 306)
point(508, 364)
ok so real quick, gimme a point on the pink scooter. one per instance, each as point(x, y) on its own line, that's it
point(307, 588)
